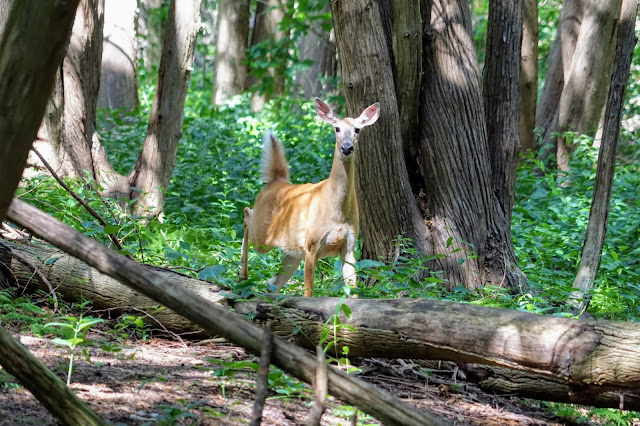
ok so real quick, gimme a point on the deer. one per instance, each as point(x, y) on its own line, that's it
point(308, 221)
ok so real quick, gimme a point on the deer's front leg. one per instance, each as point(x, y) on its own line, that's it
point(310, 259)
point(349, 265)
point(290, 264)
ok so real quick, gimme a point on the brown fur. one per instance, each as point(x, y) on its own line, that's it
point(308, 221)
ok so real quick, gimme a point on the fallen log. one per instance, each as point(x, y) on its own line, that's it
point(558, 359)
point(216, 319)
point(75, 281)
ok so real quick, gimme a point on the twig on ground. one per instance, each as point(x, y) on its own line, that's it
point(321, 385)
point(175, 335)
point(92, 212)
point(262, 379)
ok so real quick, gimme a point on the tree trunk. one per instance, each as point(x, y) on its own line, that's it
point(69, 127)
point(537, 346)
point(388, 207)
point(597, 225)
point(216, 319)
point(26, 80)
point(154, 166)
point(75, 281)
point(269, 14)
point(501, 91)
point(231, 48)
point(529, 76)
point(559, 60)
point(459, 217)
point(119, 82)
point(33, 31)
point(579, 70)
point(317, 46)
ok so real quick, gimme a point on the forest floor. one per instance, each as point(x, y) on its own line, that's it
point(161, 381)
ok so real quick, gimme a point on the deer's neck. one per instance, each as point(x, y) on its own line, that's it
point(341, 182)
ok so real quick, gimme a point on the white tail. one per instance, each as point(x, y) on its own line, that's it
point(273, 164)
point(308, 221)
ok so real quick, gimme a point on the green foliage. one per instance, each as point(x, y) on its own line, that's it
point(282, 54)
point(74, 331)
point(549, 222)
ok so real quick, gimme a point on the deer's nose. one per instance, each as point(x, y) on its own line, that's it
point(346, 148)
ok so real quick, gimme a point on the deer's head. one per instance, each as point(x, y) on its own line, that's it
point(347, 129)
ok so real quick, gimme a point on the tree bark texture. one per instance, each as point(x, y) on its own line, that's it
point(381, 175)
point(154, 166)
point(5, 7)
point(501, 91)
point(535, 346)
point(578, 73)
point(598, 216)
point(531, 385)
point(32, 47)
point(589, 360)
point(529, 76)
point(28, 60)
point(215, 319)
point(119, 72)
point(69, 123)
point(231, 48)
point(424, 172)
point(74, 280)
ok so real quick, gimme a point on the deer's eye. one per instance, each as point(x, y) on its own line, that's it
point(356, 130)
point(337, 129)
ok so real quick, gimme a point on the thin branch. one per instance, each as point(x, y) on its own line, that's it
point(92, 212)
point(321, 386)
point(262, 379)
point(175, 335)
point(36, 270)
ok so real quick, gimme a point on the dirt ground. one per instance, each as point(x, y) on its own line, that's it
point(161, 381)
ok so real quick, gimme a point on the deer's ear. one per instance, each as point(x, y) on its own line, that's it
point(369, 115)
point(324, 111)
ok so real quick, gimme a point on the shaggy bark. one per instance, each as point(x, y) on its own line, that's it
point(597, 225)
point(501, 91)
point(587, 362)
point(119, 73)
point(231, 48)
point(459, 221)
point(154, 166)
point(387, 205)
point(215, 319)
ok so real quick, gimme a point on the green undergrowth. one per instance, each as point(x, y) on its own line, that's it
point(217, 175)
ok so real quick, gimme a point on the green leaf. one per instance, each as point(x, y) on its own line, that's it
point(111, 229)
point(62, 342)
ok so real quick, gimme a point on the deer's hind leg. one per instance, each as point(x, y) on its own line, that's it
point(243, 273)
